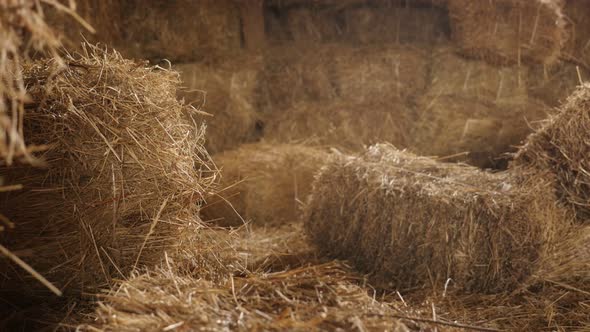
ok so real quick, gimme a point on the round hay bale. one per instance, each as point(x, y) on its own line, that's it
point(123, 176)
point(229, 91)
point(509, 31)
point(410, 221)
point(264, 183)
point(462, 129)
point(562, 146)
point(341, 124)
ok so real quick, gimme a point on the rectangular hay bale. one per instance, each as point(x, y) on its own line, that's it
point(410, 221)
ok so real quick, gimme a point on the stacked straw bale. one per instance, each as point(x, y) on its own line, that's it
point(554, 84)
point(578, 46)
point(307, 26)
point(340, 72)
point(342, 124)
point(562, 147)
point(230, 93)
point(182, 30)
point(412, 221)
point(262, 182)
point(125, 173)
point(509, 31)
point(396, 24)
point(473, 111)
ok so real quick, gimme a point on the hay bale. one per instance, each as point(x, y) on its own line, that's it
point(123, 176)
point(372, 73)
point(342, 124)
point(396, 24)
point(230, 92)
point(308, 26)
point(264, 183)
point(181, 31)
point(296, 75)
point(562, 146)
point(578, 44)
point(473, 131)
point(411, 221)
point(509, 31)
point(452, 74)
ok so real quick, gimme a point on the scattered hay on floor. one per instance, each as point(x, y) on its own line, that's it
point(562, 147)
point(509, 31)
point(230, 92)
point(125, 173)
point(265, 183)
point(411, 221)
point(343, 125)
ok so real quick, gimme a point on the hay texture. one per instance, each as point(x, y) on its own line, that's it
point(344, 73)
point(562, 147)
point(554, 84)
point(343, 125)
point(123, 175)
point(509, 31)
point(263, 183)
point(180, 30)
point(228, 90)
point(411, 221)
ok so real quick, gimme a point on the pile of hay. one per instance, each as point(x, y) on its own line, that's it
point(284, 295)
point(125, 172)
point(349, 126)
point(262, 182)
point(562, 147)
point(411, 221)
point(230, 92)
point(509, 31)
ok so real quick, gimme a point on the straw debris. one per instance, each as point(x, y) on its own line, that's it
point(410, 221)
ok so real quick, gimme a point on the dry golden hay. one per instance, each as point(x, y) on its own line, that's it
point(307, 296)
point(182, 30)
point(411, 221)
point(452, 74)
point(23, 30)
point(307, 26)
point(262, 182)
point(230, 92)
point(349, 126)
point(463, 129)
point(509, 31)
point(125, 172)
point(562, 147)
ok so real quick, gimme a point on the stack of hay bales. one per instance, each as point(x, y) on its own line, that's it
point(562, 147)
point(230, 92)
point(349, 126)
point(474, 109)
point(180, 30)
point(411, 221)
point(509, 31)
point(125, 172)
point(263, 182)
